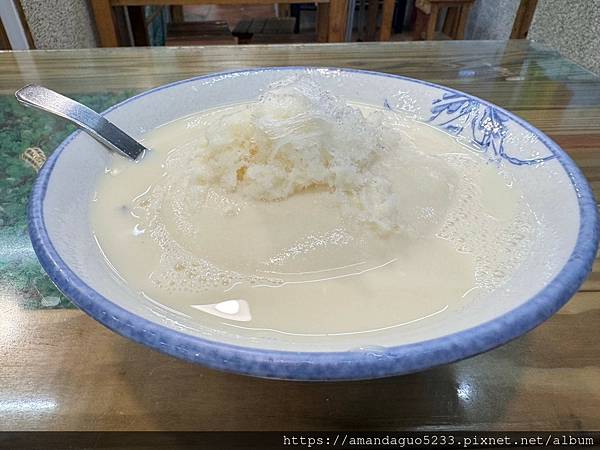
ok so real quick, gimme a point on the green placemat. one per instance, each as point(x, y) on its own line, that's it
point(22, 279)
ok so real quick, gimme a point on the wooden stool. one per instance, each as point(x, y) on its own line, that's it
point(427, 16)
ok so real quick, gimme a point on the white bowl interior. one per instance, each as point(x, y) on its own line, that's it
point(72, 184)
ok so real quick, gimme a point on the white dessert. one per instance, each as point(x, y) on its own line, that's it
point(303, 214)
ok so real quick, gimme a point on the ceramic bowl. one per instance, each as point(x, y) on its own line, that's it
point(552, 184)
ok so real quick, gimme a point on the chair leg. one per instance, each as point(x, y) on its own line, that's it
point(464, 15)
point(338, 15)
point(373, 9)
point(295, 12)
point(283, 10)
point(387, 16)
point(419, 24)
point(322, 21)
point(176, 13)
point(105, 24)
point(431, 23)
point(451, 21)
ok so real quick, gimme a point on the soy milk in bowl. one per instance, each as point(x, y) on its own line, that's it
point(294, 229)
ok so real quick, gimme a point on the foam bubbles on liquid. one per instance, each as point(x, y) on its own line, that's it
point(498, 245)
point(338, 236)
point(366, 160)
point(180, 270)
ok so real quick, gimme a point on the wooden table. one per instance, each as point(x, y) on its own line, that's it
point(61, 370)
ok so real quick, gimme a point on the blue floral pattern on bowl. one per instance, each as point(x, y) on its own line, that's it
point(488, 126)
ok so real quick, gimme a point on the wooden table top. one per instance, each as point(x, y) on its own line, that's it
point(61, 370)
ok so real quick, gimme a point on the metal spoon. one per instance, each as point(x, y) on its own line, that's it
point(85, 118)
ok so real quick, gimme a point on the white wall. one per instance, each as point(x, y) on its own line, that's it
point(571, 27)
point(60, 23)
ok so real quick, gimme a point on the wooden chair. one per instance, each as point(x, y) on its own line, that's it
point(427, 16)
point(331, 21)
point(387, 17)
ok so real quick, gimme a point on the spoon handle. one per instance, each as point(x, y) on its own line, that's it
point(85, 118)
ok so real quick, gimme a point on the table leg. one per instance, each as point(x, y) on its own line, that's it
point(322, 21)
point(431, 23)
point(387, 17)
point(105, 24)
point(338, 14)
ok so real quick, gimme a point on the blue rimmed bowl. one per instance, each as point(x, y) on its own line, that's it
point(60, 231)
